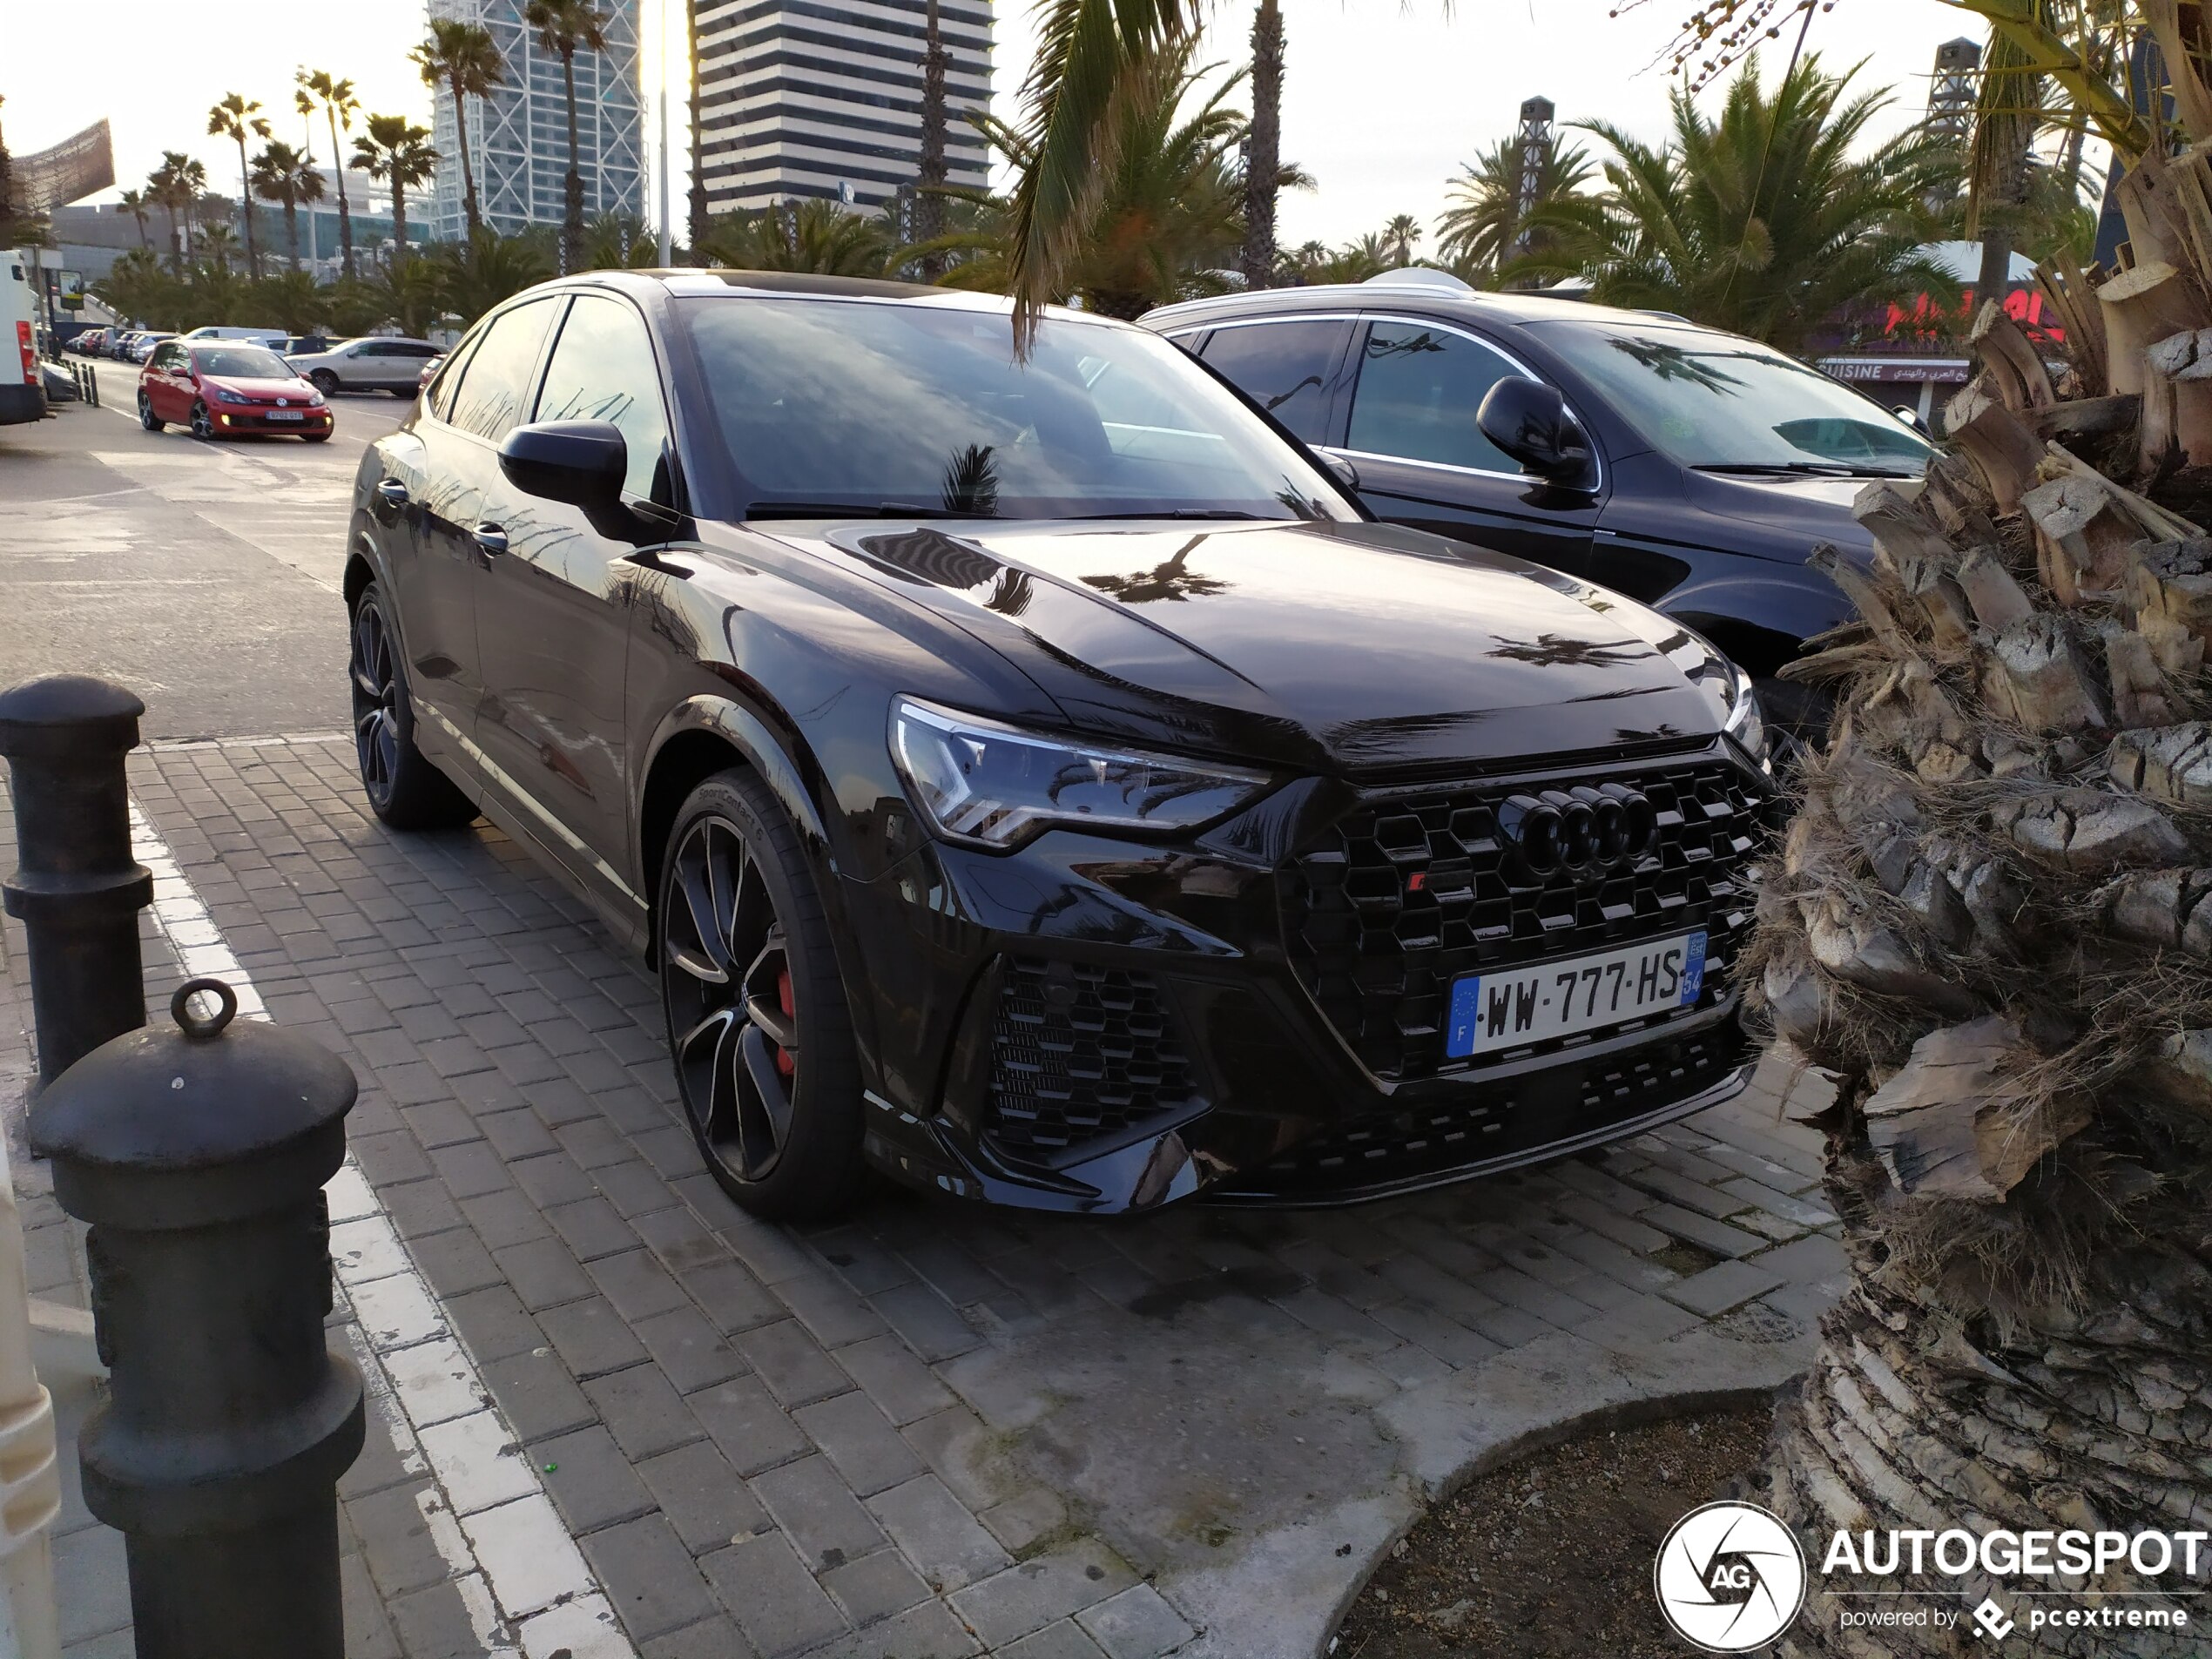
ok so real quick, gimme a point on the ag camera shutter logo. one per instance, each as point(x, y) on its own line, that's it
point(1729, 1577)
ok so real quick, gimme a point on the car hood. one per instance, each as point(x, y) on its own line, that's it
point(298, 388)
point(1358, 648)
point(1807, 509)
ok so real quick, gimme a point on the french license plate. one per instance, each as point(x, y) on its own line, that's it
point(286, 415)
point(1516, 1006)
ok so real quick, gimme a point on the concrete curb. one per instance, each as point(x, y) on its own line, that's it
point(1286, 1593)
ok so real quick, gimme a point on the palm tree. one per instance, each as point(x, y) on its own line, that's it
point(565, 27)
point(394, 150)
point(237, 118)
point(930, 177)
point(479, 273)
point(282, 174)
point(1760, 221)
point(176, 184)
point(811, 235)
point(619, 242)
point(464, 59)
point(1399, 237)
point(135, 203)
point(1070, 128)
point(336, 100)
point(1484, 226)
point(1164, 221)
point(218, 246)
point(1264, 146)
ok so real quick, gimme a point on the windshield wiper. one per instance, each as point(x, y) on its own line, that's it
point(1803, 469)
point(849, 510)
point(1171, 512)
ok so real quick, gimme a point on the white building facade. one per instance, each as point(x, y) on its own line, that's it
point(823, 98)
point(518, 137)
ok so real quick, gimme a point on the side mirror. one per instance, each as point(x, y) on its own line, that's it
point(582, 462)
point(1340, 469)
point(1528, 421)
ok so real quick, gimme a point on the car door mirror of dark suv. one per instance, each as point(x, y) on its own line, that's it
point(1529, 422)
point(582, 462)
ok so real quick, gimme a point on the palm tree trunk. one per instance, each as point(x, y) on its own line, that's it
point(572, 186)
point(399, 222)
point(467, 168)
point(929, 204)
point(176, 247)
point(345, 208)
point(1262, 146)
point(699, 211)
point(1984, 920)
point(246, 208)
point(292, 229)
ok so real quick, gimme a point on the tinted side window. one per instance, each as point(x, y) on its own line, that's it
point(1419, 389)
point(1284, 367)
point(496, 385)
point(603, 370)
point(439, 398)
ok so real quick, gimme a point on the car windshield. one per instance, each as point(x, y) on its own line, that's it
point(240, 362)
point(836, 407)
point(1721, 403)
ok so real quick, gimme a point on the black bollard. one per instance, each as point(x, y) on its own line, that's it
point(199, 1155)
point(77, 888)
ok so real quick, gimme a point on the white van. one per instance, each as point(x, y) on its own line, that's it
point(22, 390)
point(273, 338)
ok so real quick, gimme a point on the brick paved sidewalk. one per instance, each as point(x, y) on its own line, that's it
point(931, 1431)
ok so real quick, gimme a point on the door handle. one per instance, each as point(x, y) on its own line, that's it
point(393, 491)
point(489, 539)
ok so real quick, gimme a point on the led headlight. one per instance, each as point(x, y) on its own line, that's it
point(1742, 721)
point(314, 400)
point(995, 786)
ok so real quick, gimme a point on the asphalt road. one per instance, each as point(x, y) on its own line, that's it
point(203, 575)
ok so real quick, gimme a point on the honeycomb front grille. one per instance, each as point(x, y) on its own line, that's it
point(1564, 1103)
point(1411, 889)
point(1078, 1052)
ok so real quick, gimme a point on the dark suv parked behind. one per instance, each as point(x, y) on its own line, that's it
point(1038, 778)
point(1691, 469)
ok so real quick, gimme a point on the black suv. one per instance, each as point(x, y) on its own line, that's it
point(1038, 778)
point(1691, 469)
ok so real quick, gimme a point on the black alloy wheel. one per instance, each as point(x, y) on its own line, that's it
point(758, 1025)
point(146, 416)
point(203, 424)
point(405, 789)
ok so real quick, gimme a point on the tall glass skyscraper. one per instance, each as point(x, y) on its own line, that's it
point(519, 137)
point(823, 98)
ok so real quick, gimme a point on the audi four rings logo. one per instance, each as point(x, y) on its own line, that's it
point(1583, 831)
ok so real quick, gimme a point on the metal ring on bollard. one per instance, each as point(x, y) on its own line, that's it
point(189, 1023)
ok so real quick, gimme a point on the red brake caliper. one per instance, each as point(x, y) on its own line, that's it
point(784, 1064)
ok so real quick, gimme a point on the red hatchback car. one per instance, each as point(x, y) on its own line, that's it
point(220, 387)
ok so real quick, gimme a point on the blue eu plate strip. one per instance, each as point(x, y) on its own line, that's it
point(1466, 1003)
point(1692, 970)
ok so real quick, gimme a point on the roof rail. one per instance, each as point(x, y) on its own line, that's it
point(1418, 276)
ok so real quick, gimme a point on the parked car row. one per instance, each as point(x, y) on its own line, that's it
point(1044, 779)
point(376, 363)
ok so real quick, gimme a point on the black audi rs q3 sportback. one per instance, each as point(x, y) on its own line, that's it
point(1034, 776)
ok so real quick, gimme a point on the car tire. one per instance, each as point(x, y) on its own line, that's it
point(316, 437)
point(203, 424)
point(324, 381)
point(405, 789)
point(146, 418)
point(759, 1031)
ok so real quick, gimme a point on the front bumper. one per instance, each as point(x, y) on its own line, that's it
point(1098, 1026)
point(250, 419)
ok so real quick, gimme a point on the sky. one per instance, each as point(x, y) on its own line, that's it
point(1383, 99)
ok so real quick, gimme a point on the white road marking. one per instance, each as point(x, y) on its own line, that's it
point(488, 1514)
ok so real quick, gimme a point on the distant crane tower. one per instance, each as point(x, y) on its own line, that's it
point(1536, 139)
point(1952, 92)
